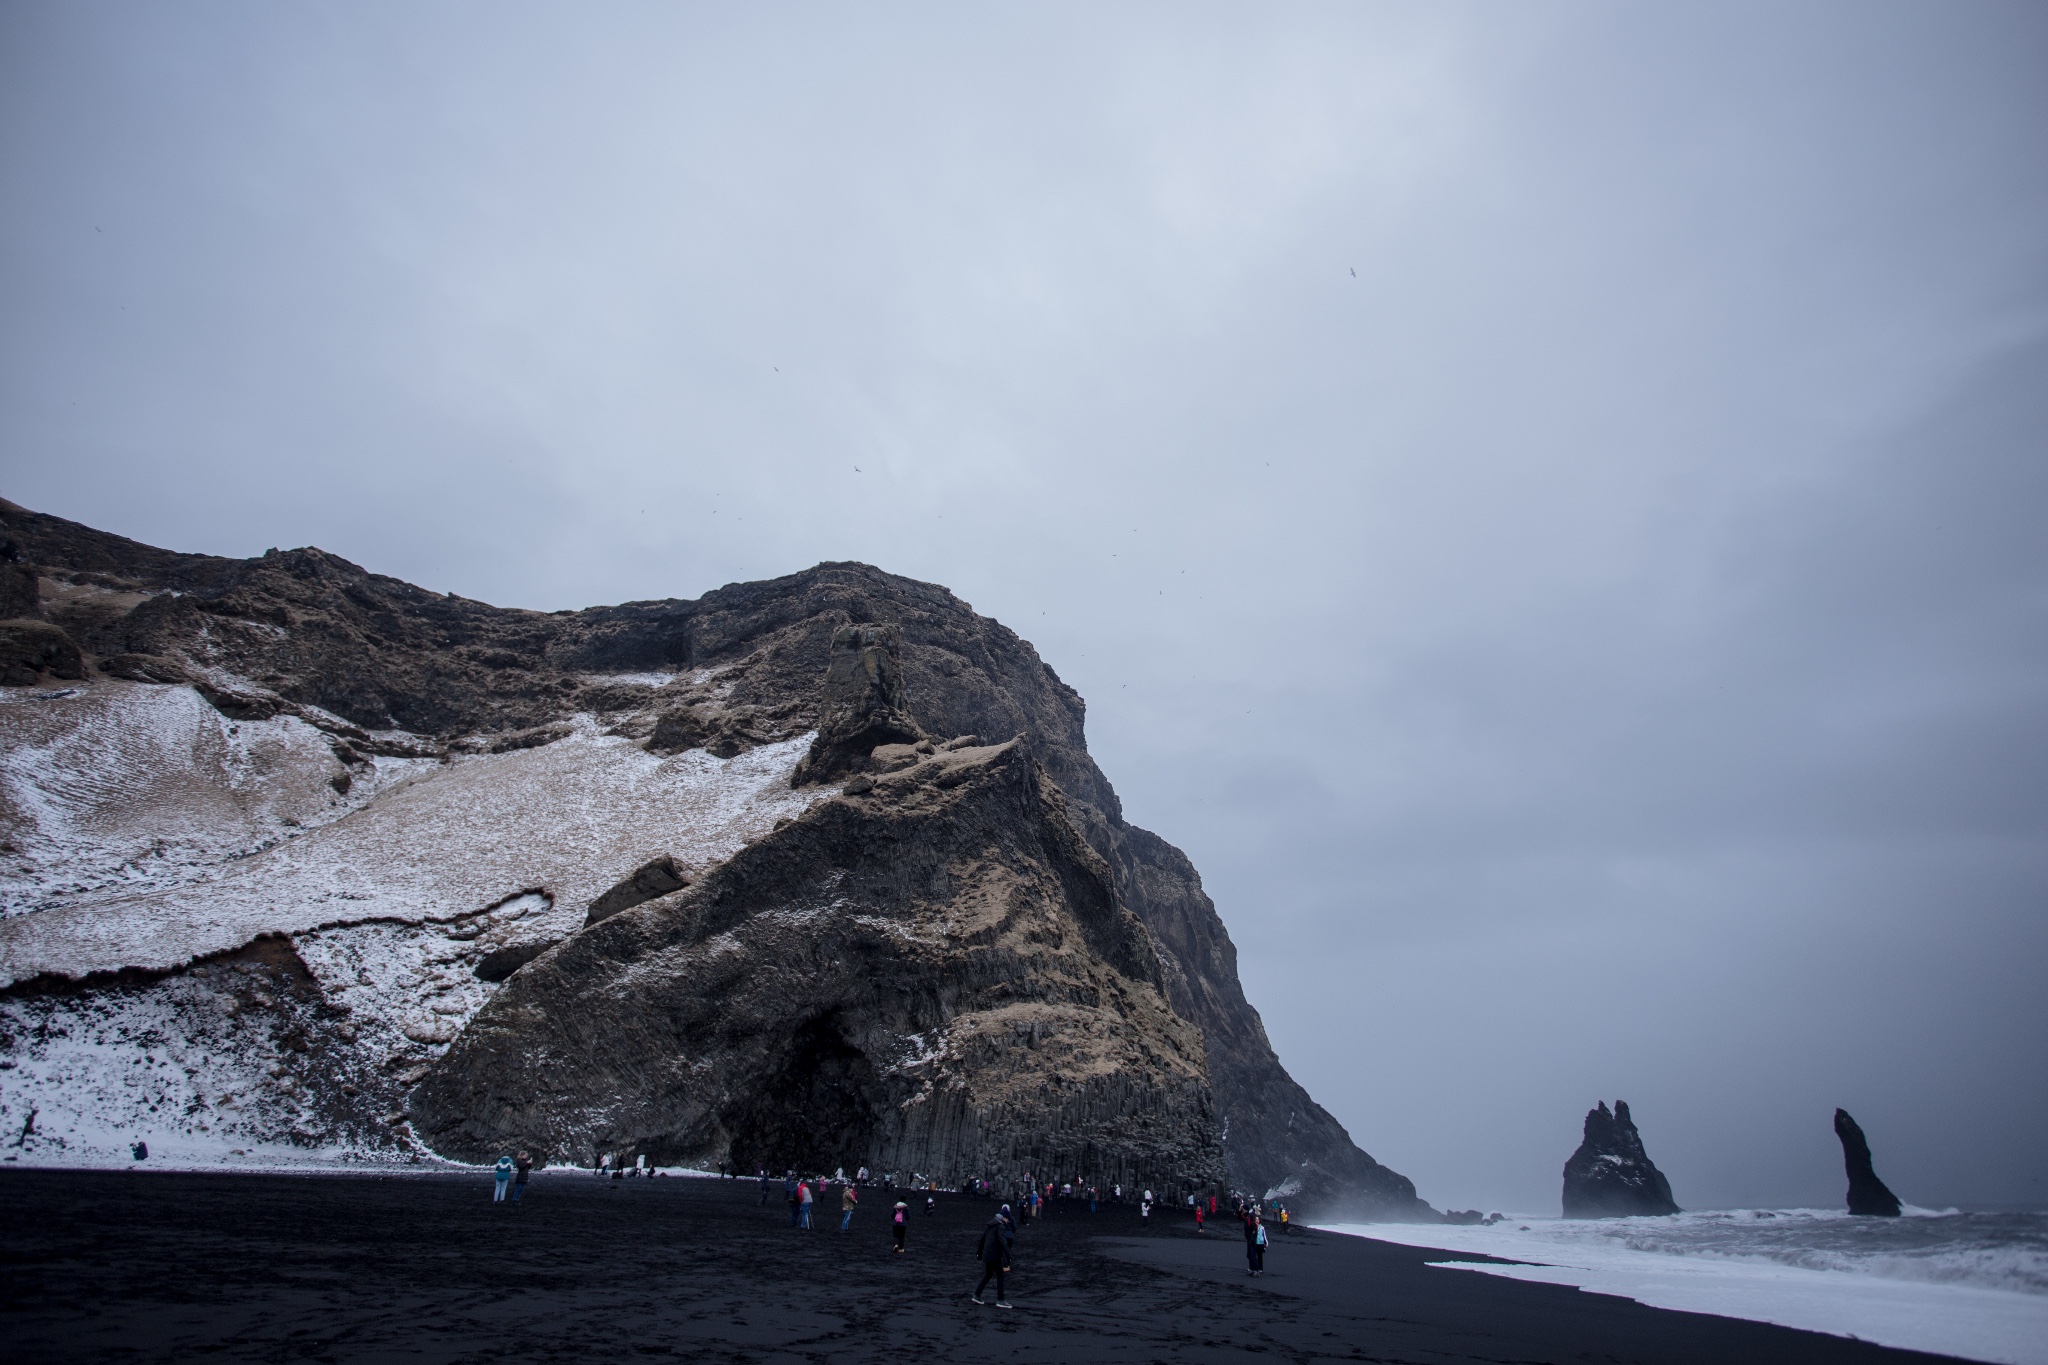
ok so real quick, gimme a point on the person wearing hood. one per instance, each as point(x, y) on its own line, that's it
point(994, 1249)
point(503, 1177)
point(522, 1167)
point(899, 1223)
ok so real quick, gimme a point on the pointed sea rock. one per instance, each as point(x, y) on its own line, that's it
point(1611, 1176)
point(1867, 1194)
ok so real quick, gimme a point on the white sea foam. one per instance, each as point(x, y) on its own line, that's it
point(1967, 1284)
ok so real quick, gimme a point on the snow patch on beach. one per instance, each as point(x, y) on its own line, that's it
point(1973, 1285)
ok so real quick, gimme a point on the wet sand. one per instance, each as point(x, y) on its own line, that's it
point(156, 1266)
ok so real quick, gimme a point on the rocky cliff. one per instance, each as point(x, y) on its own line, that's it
point(1610, 1175)
point(1867, 1194)
point(418, 800)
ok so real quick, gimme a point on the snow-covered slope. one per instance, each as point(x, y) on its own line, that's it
point(251, 845)
point(274, 958)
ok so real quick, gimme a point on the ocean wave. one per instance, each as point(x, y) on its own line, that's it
point(2007, 1251)
point(1966, 1284)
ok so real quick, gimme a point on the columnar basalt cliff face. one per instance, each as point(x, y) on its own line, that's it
point(404, 706)
point(1611, 1176)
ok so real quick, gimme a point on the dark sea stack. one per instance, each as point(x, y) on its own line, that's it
point(953, 949)
point(1611, 1176)
point(1867, 1194)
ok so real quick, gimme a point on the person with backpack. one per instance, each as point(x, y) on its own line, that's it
point(848, 1197)
point(502, 1173)
point(1255, 1244)
point(899, 1221)
point(994, 1250)
point(522, 1167)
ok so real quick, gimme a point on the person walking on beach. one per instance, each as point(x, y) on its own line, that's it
point(522, 1167)
point(899, 1222)
point(503, 1175)
point(765, 1183)
point(994, 1250)
point(1198, 1215)
point(1145, 1206)
point(790, 1197)
point(805, 1199)
point(1255, 1244)
point(848, 1197)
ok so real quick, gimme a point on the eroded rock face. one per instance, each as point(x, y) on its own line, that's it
point(363, 657)
point(1867, 1194)
point(657, 877)
point(936, 975)
point(1611, 1176)
point(29, 649)
point(865, 706)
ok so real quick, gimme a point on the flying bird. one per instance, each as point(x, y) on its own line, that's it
point(1354, 272)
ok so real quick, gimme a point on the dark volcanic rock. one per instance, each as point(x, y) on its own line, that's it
point(937, 976)
point(19, 594)
point(865, 706)
point(657, 878)
point(309, 629)
point(29, 649)
point(1611, 1176)
point(1867, 1194)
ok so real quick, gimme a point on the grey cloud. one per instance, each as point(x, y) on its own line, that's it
point(1596, 649)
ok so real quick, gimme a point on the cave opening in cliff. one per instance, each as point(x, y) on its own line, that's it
point(813, 1110)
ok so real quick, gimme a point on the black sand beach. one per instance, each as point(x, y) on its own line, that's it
point(149, 1266)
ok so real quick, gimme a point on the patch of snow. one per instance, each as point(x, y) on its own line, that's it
point(128, 787)
point(632, 679)
point(433, 843)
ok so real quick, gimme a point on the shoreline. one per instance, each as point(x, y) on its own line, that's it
point(1970, 1321)
point(368, 1265)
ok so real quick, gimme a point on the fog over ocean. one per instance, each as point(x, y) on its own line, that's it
point(1544, 503)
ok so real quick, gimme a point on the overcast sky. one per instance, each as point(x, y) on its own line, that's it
point(1548, 505)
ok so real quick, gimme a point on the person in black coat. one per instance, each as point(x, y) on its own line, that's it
point(994, 1250)
point(1255, 1244)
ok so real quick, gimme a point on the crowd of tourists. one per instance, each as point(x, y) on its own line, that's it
point(1022, 1199)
